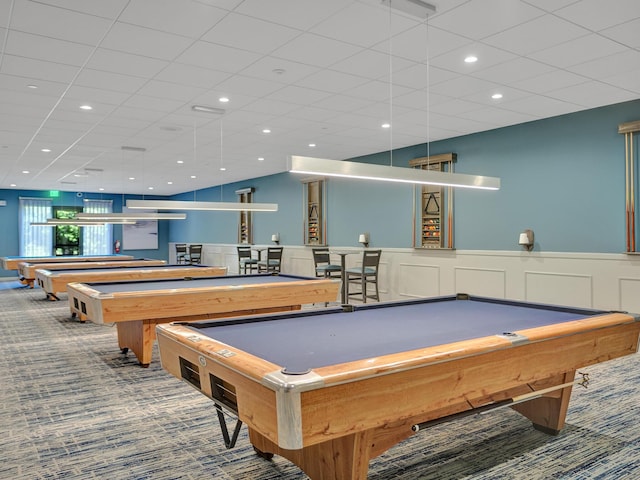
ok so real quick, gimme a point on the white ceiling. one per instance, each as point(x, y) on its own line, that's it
point(328, 72)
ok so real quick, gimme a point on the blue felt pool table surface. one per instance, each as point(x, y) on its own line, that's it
point(221, 281)
point(124, 267)
point(305, 341)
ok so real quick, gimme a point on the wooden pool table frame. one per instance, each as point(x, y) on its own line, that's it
point(12, 263)
point(334, 419)
point(54, 281)
point(28, 270)
point(137, 312)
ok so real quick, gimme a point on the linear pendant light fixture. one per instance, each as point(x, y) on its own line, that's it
point(368, 171)
point(131, 216)
point(187, 205)
point(52, 222)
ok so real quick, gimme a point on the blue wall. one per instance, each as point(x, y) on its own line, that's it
point(563, 177)
point(9, 243)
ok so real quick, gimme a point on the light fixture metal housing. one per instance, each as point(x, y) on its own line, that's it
point(368, 171)
point(415, 8)
point(187, 205)
point(131, 216)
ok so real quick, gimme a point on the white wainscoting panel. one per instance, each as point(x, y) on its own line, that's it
point(485, 282)
point(415, 280)
point(630, 295)
point(559, 289)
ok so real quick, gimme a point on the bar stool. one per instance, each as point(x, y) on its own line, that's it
point(365, 274)
point(245, 260)
point(181, 253)
point(323, 265)
point(273, 261)
point(195, 254)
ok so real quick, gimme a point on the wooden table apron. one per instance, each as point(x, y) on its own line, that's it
point(334, 419)
point(12, 263)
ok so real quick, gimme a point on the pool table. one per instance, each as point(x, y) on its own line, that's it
point(11, 262)
point(55, 281)
point(136, 307)
point(331, 389)
point(28, 270)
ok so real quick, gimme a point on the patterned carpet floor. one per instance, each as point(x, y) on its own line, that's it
point(73, 407)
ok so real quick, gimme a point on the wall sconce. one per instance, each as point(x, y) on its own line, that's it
point(364, 239)
point(526, 240)
point(275, 238)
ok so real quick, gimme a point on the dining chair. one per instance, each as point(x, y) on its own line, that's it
point(181, 253)
point(323, 265)
point(246, 260)
point(272, 262)
point(195, 254)
point(364, 275)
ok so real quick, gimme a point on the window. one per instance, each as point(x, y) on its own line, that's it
point(97, 239)
point(40, 240)
point(35, 241)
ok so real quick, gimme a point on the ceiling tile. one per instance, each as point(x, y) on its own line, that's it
point(60, 23)
point(464, 19)
point(315, 50)
point(578, 51)
point(188, 19)
point(145, 42)
point(232, 32)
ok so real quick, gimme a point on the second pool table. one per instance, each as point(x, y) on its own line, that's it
point(28, 270)
point(55, 281)
point(329, 390)
point(136, 307)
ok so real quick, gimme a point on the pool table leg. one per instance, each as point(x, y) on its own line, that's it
point(344, 458)
point(138, 336)
point(548, 413)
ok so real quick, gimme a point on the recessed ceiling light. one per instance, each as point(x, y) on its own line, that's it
point(132, 178)
point(222, 169)
point(86, 107)
point(266, 130)
point(223, 99)
point(312, 145)
point(496, 96)
point(386, 125)
point(180, 161)
point(45, 150)
point(169, 183)
point(32, 86)
point(25, 171)
point(13, 185)
point(193, 176)
point(150, 188)
point(261, 158)
point(101, 189)
point(278, 71)
point(471, 59)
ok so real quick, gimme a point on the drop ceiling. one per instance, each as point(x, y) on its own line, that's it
point(322, 72)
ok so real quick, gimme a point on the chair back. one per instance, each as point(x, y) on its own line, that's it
point(244, 252)
point(371, 259)
point(195, 253)
point(274, 253)
point(181, 248)
point(321, 256)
